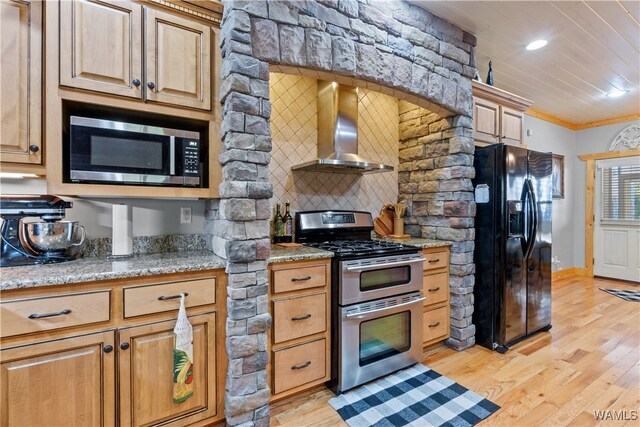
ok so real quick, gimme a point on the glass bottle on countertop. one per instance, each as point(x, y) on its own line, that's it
point(278, 222)
point(288, 224)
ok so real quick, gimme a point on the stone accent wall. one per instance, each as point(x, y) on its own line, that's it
point(393, 47)
point(435, 172)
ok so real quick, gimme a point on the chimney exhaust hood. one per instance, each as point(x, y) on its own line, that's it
point(338, 133)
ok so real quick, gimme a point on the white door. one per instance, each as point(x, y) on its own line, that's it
point(616, 235)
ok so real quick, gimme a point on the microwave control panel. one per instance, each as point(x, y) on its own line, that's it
point(191, 157)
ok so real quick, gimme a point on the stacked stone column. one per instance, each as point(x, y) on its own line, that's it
point(241, 230)
point(435, 172)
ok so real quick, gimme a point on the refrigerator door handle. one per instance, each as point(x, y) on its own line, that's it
point(531, 200)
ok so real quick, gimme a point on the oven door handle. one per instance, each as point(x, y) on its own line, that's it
point(380, 310)
point(386, 264)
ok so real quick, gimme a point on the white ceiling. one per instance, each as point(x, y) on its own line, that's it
point(594, 48)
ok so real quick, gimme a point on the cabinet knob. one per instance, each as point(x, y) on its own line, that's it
point(124, 345)
point(497, 135)
point(136, 82)
point(151, 85)
point(34, 148)
point(107, 349)
point(504, 136)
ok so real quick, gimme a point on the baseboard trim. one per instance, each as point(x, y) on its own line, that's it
point(561, 274)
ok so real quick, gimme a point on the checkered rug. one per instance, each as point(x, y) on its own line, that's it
point(624, 294)
point(417, 396)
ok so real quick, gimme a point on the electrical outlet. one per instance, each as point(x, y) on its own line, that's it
point(185, 215)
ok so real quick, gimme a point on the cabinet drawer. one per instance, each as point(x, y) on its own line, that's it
point(435, 324)
point(295, 366)
point(55, 312)
point(436, 260)
point(296, 278)
point(140, 300)
point(298, 317)
point(435, 287)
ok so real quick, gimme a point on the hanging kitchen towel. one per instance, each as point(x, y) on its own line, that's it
point(182, 356)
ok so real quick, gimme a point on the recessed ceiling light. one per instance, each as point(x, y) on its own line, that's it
point(616, 93)
point(536, 44)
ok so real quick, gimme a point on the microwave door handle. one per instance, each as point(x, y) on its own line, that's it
point(383, 265)
point(372, 313)
point(172, 155)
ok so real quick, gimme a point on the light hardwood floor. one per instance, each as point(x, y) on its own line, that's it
point(590, 360)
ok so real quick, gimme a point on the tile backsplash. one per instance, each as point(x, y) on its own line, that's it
point(294, 133)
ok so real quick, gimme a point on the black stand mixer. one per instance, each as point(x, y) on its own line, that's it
point(43, 242)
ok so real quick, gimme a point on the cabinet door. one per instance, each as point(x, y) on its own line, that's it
point(67, 382)
point(21, 81)
point(100, 46)
point(485, 121)
point(146, 374)
point(511, 123)
point(178, 60)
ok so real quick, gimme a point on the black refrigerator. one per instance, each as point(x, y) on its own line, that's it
point(512, 293)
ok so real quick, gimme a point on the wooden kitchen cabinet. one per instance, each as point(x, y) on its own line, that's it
point(498, 116)
point(102, 50)
point(300, 338)
point(435, 288)
point(70, 368)
point(60, 382)
point(145, 364)
point(21, 82)
point(178, 60)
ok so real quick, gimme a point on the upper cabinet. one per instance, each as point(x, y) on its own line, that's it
point(178, 59)
point(102, 49)
point(101, 46)
point(21, 81)
point(498, 116)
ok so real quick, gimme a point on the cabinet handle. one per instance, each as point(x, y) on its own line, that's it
point(434, 289)
point(433, 325)
point(304, 365)
point(107, 349)
point(433, 261)
point(300, 279)
point(504, 136)
point(497, 135)
point(124, 345)
point(151, 85)
point(34, 148)
point(58, 313)
point(306, 316)
point(136, 82)
point(166, 297)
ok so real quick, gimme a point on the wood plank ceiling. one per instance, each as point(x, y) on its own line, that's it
point(594, 48)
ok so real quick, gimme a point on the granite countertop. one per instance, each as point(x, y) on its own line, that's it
point(94, 269)
point(280, 254)
point(418, 241)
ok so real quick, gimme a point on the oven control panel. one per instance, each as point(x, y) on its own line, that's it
point(338, 218)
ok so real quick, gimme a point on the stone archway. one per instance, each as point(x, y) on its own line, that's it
point(396, 47)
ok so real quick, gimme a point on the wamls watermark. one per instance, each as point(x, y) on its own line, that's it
point(615, 415)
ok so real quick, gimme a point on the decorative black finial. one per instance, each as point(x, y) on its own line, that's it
point(490, 75)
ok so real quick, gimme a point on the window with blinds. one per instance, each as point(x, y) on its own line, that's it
point(620, 194)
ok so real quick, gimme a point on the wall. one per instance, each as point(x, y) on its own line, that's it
point(569, 213)
point(589, 141)
point(549, 137)
point(150, 217)
point(295, 141)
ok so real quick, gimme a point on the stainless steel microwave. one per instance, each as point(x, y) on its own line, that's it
point(105, 151)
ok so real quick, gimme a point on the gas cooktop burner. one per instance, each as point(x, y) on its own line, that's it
point(347, 246)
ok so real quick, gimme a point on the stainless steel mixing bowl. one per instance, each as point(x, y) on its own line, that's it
point(53, 236)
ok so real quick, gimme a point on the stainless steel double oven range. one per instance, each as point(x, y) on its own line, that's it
point(376, 310)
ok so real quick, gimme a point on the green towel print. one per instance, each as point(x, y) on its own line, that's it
point(182, 376)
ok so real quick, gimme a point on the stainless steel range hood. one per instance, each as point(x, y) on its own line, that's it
point(338, 133)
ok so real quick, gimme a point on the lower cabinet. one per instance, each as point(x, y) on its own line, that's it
point(82, 362)
point(146, 372)
point(300, 338)
point(436, 315)
point(60, 383)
